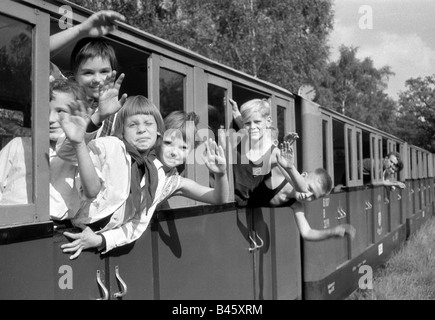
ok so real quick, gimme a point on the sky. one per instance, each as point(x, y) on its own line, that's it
point(396, 33)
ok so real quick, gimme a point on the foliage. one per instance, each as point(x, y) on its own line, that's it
point(356, 88)
point(416, 118)
point(409, 274)
point(283, 42)
point(15, 74)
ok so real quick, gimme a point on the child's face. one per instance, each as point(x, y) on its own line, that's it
point(174, 150)
point(91, 75)
point(256, 124)
point(141, 132)
point(314, 189)
point(59, 104)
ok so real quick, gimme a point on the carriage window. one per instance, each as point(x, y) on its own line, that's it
point(350, 154)
point(366, 154)
point(385, 148)
point(339, 153)
point(16, 154)
point(281, 115)
point(359, 155)
point(171, 91)
point(216, 108)
point(242, 94)
point(411, 163)
point(325, 143)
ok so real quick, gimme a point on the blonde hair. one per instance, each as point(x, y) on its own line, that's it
point(250, 107)
point(325, 180)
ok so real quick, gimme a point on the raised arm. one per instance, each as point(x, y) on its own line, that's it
point(108, 103)
point(285, 160)
point(97, 25)
point(74, 125)
point(310, 234)
point(215, 161)
point(237, 116)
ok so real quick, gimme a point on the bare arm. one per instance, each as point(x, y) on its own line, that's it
point(285, 162)
point(74, 126)
point(237, 116)
point(310, 234)
point(216, 163)
point(97, 25)
point(386, 180)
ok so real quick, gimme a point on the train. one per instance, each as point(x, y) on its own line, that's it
point(192, 250)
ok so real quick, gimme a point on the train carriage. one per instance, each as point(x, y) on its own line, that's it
point(193, 250)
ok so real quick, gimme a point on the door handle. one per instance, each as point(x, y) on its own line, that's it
point(123, 291)
point(261, 240)
point(102, 286)
point(255, 244)
point(341, 213)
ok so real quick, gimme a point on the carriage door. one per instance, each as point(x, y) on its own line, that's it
point(217, 115)
point(26, 249)
point(171, 88)
point(379, 219)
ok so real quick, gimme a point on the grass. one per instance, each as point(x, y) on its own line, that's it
point(409, 274)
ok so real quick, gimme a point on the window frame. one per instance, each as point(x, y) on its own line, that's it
point(376, 156)
point(38, 211)
point(156, 62)
point(414, 167)
point(404, 174)
point(329, 145)
point(227, 85)
point(352, 177)
point(289, 121)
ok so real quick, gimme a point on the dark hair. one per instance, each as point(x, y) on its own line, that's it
point(89, 48)
point(181, 120)
point(325, 180)
point(68, 86)
point(399, 159)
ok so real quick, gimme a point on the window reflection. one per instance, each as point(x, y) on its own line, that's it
point(216, 108)
point(281, 116)
point(171, 92)
point(339, 155)
point(358, 154)
point(325, 143)
point(349, 149)
point(16, 178)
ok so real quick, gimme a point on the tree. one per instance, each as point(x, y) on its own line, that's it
point(283, 42)
point(416, 115)
point(355, 88)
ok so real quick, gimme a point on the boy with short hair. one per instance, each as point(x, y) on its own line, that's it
point(319, 184)
point(262, 155)
point(281, 184)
